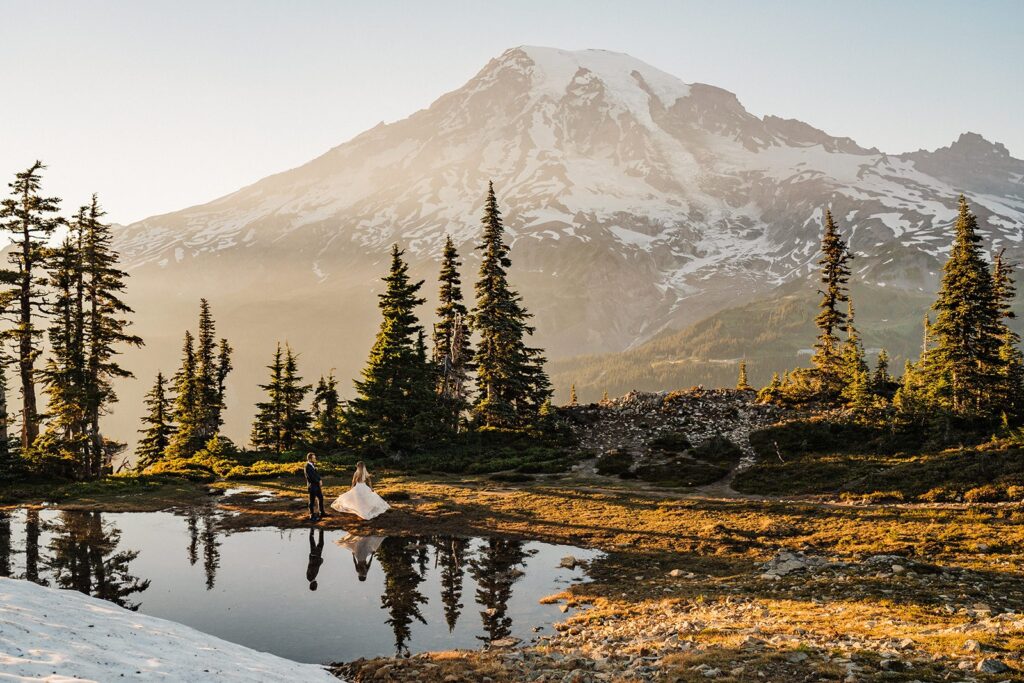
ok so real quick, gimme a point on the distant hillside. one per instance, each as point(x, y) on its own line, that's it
point(772, 335)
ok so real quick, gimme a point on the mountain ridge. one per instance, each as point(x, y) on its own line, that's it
point(635, 203)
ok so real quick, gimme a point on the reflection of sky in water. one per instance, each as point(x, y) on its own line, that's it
point(261, 597)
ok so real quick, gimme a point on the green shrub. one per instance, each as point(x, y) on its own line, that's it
point(719, 450)
point(673, 442)
point(681, 473)
point(615, 462)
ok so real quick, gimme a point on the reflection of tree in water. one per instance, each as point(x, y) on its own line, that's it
point(6, 548)
point(398, 558)
point(211, 548)
point(207, 537)
point(84, 557)
point(193, 536)
point(32, 546)
point(495, 569)
point(423, 555)
point(450, 555)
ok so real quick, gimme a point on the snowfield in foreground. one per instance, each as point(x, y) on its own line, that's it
point(62, 635)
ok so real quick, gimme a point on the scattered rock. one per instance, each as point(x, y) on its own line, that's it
point(992, 666)
point(568, 562)
point(505, 642)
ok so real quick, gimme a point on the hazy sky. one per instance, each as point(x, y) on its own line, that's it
point(160, 105)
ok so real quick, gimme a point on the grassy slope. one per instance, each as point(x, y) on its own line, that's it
point(769, 333)
point(814, 456)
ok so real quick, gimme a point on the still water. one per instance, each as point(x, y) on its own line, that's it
point(309, 595)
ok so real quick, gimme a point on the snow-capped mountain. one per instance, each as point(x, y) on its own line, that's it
point(636, 202)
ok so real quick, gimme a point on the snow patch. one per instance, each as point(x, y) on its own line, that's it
point(59, 635)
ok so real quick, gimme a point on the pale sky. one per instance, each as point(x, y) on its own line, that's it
point(161, 105)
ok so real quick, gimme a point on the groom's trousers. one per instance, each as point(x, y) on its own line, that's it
point(316, 495)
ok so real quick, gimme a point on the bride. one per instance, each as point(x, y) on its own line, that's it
point(361, 499)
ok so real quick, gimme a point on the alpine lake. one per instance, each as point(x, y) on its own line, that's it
point(311, 595)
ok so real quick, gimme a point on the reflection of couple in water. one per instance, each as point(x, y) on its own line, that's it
point(361, 547)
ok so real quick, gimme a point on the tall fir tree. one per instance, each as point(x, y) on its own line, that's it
point(188, 437)
point(89, 324)
point(964, 362)
point(64, 374)
point(296, 418)
point(512, 384)
point(452, 354)
point(325, 432)
point(8, 464)
point(831, 319)
point(213, 363)
point(852, 367)
point(386, 414)
point(199, 387)
point(882, 382)
point(106, 327)
point(30, 219)
point(159, 427)
point(1010, 383)
point(267, 427)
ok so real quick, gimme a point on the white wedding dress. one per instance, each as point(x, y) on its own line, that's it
point(361, 500)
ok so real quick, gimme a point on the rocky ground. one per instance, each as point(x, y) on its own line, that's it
point(655, 432)
point(730, 635)
point(697, 587)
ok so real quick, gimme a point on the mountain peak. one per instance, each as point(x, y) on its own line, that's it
point(973, 144)
point(627, 81)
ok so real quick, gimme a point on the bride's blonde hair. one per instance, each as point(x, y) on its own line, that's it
point(361, 473)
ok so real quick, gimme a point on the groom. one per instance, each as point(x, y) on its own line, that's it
point(313, 486)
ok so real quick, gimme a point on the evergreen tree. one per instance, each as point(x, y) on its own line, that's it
point(156, 436)
point(771, 393)
point(296, 419)
point(835, 273)
point(30, 219)
point(268, 426)
point(1010, 384)
point(325, 433)
point(106, 327)
point(741, 383)
point(882, 382)
point(511, 382)
point(853, 368)
point(573, 400)
point(213, 363)
point(452, 354)
point(187, 438)
point(8, 463)
point(64, 374)
point(858, 393)
point(199, 387)
point(89, 322)
point(387, 413)
point(964, 364)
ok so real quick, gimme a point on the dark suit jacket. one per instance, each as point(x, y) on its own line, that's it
point(312, 476)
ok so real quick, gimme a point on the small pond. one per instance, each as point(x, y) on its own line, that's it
point(305, 594)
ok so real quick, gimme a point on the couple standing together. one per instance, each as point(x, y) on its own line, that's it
point(360, 499)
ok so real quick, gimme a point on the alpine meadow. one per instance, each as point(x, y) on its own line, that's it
point(579, 373)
